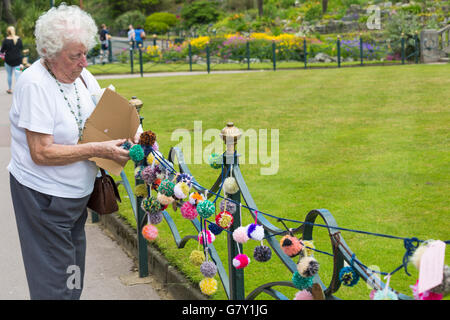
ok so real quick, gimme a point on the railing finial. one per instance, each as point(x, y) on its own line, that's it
point(230, 135)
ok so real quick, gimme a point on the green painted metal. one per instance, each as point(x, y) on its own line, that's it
point(190, 57)
point(361, 53)
point(208, 60)
point(305, 52)
point(274, 55)
point(338, 43)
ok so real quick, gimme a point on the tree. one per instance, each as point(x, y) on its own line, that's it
point(7, 13)
point(324, 5)
point(260, 4)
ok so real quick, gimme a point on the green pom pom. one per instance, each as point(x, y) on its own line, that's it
point(206, 209)
point(151, 205)
point(166, 187)
point(141, 190)
point(215, 160)
point(301, 283)
point(136, 153)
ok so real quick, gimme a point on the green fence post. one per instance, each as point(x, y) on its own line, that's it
point(132, 56)
point(274, 55)
point(154, 40)
point(247, 51)
point(361, 48)
point(141, 66)
point(190, 57)
point(110, 57)
point(142, 242)
point(208, 63)
point(339, 51)
point(403, 48)
point(305, 52)
point(416, 47)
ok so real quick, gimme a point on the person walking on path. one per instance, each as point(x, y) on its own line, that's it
point(104, 41)
point(139, 36)
point(131, 35)
point(51, 177)
point(12, 49)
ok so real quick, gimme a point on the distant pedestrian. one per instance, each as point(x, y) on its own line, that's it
point(131, 35)
point(12, 48)
point(104, 40)
point(139, 36)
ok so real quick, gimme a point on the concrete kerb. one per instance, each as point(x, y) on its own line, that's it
point(159, 268)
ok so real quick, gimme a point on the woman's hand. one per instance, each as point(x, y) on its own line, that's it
point(112, 150)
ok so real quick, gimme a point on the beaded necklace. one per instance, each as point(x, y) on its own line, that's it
point(78, 118)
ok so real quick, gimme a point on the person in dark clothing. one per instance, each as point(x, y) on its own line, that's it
point(12, 48)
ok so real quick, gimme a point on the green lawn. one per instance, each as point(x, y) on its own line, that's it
point(371, 145)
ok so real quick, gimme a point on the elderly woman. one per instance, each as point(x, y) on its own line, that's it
point(51, 177)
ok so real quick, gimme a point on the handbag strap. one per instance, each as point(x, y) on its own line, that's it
point(84, 82)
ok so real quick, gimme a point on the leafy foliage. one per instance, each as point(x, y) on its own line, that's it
point(200, 12)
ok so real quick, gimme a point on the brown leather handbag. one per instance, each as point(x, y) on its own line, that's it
point(105, 195)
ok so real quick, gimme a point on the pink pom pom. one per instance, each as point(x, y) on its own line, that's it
point(150, 232)
point(303, 295)
point(188, 211)
point(240, 235)
point(241, 261)
point(426, 295)
point(210, 237)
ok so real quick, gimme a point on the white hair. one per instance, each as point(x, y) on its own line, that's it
point(61, 25)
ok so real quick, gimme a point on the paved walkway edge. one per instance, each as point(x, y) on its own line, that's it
point(159, 268)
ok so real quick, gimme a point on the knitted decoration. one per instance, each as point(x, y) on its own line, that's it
point(427, 295)
point(164, 200)
point(208, 286)
point(155, 218)
point(188, 211)
point(197, 257)
point(240, 235)
point(224, 220)
point(444, 287)
point(303, 295)
point(126, 145)
point(383, 295)
point(301, 283)
point(230, 185)
point(151, 205)
point(147, 138)
point(184, 177)
point(151, 158)
point(181, 190)
point(166, 187)
point(348, 276)
point(215, 160)
point(206, 209)
point(149, 174)
point(138, 172)
point(291, 245)
point(226, 205)
point(308, 247)
point(136, 153)
point(141, 191)
point(155, 184)
point(210, 237)
point(255, 231)
point(195, 198)
point(208, 269)
point(150, 232)
point(241, 261)
point(215, 229)
point(308, 267)
point(262, 253)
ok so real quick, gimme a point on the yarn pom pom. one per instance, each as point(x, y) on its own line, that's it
point(214, 228)
point(208, 269)
point(230, 185)
point(348, 276)
point(126, 145)
point(301, 283)
point(241, 261)
point(195, 198)
point(166, 187)
point(197, 257)
point(155, 218)
point(303, 295)
point(255, 231)
point(147, 138)
point(188, 211)
point(149, 174)
point(181, 190)
point(426, 295)
point(141, 191)
point(208, 286)
point(151, 159)
point(210, 237)
point(184, 177)
point(224, 220)
point(151, 205)
point(150, 232)
point(138, 172)
point(226, 205)
point(215, 160)
point(382, 295)
point(308, 248)
point(262, 253)
point(164, 200)
point(206, 209)
point(136, 153)
point(291, 245)
point(240, 235)
point(308, 267)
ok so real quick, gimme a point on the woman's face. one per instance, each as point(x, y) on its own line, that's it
point(69, 63)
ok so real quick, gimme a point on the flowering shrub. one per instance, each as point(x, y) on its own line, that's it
point(351, 48)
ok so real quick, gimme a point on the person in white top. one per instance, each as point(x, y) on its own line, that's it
point(131, 35)
point(51, 176)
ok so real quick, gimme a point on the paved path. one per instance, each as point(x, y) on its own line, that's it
point(109, 270)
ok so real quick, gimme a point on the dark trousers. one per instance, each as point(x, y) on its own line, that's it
point(53, 242)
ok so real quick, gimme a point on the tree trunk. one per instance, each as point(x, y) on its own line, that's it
point(324, 5)
point(260, 7)
point(7, 13)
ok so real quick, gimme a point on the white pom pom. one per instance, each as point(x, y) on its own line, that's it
point(257, 233)
point(230, 185)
